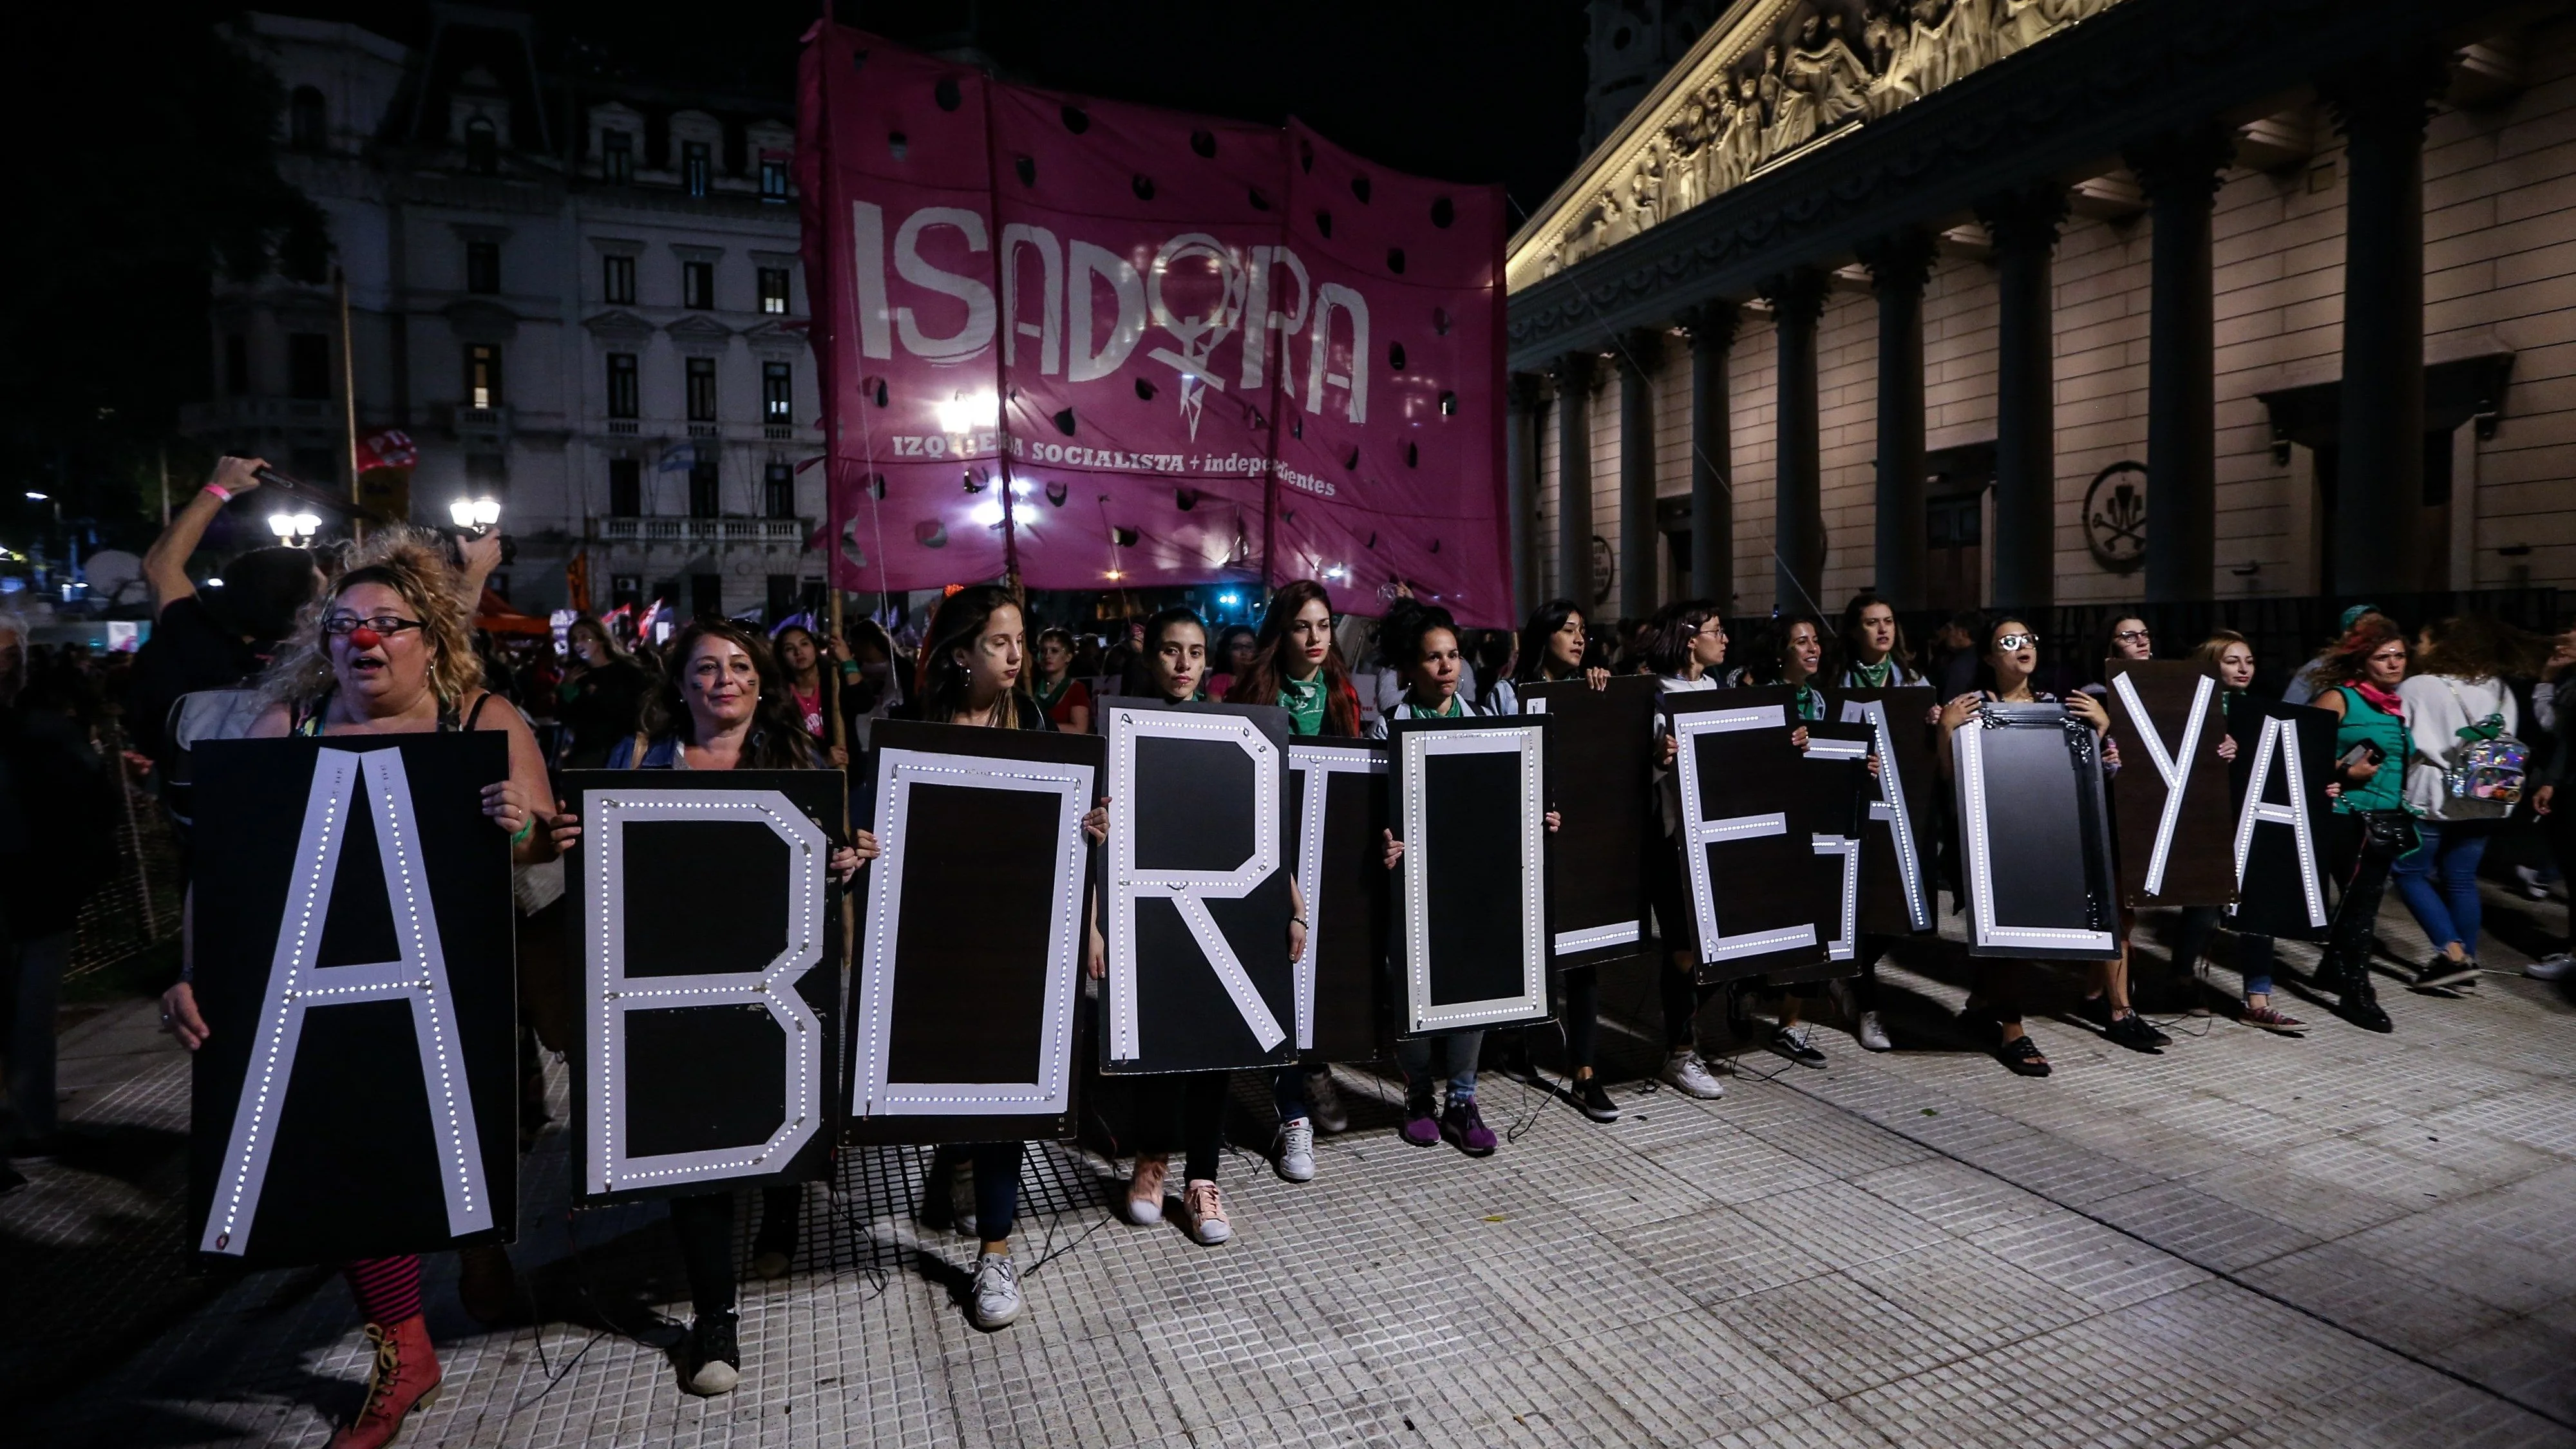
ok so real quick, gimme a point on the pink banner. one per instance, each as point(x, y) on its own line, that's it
point(1115, 345)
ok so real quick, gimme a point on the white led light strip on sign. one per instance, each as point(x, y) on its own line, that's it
point(1419, 746)
point(2280, 742)
point(1189, 891)
point(419, 978)
point(1894, 809)
point(1047, 1090)
point(614, 994)
point(2172, 766)
point(1700, 833)
point(1970, 757)
point(1311, 773)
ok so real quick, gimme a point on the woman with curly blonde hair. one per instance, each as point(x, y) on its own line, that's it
point(387, 649)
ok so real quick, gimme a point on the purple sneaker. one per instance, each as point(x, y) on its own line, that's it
point(1461, 1125)
point(1420, 1127)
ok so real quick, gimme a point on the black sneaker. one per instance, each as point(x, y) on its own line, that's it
point(1593, 1102)
point(2132, 1031)
point(2365, 1013)
point(1793, 1042)
point(2442, 971)
point(713, 1364)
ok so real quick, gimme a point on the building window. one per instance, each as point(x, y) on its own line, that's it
point(308, 366)
point(482, 375)
point(778, 490)
point(306, 129)
point(625, 487)
point(706, 596)
point(617, 157)
point(483, 267)
point(773, 291)
point(617, 279)
point(625, 589)
point(702, 489)
point(777, 393)
point(702, 389)
point(773, 178)
point(237, 365)
point(621, 385)
point(696, 165)
point(698, 285)
point(482, 146)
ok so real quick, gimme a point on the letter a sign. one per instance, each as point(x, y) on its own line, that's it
point(353, 962)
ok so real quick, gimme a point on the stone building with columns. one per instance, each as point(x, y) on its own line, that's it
point(2062, 303)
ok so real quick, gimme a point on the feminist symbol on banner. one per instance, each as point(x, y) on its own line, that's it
point(1198, 336)
point(418, 978)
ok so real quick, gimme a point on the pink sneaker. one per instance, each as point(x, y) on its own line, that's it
point(1145, 1192)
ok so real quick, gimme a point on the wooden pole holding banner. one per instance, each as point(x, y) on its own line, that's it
point(349, 400)
point(825, 315)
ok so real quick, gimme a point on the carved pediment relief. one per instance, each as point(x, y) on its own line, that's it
point(699, 330)
point(777, 338)
point(620, 324)
point(1771, 80)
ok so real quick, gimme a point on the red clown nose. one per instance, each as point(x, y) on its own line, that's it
point(363, 637)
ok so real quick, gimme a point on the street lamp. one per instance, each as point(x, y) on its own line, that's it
point(294, 528)
point(475, 515)
point(35, 497)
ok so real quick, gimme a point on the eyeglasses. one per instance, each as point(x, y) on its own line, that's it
point(2129, 636)
point(341, 624)
point(2006, 643)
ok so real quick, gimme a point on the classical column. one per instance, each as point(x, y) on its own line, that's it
point(1712, 548)
point(1798, 532)
point(2181, 175)
point(1522, 443)
point(2024, 227)
point(1574, 478)
point(2380, 463)
point(1899, 266)
point(1639, 353)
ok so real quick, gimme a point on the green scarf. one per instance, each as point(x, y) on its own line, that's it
point(1881, 675)
point(1304, 701)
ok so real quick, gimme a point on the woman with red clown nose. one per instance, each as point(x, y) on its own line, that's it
point(389, 651)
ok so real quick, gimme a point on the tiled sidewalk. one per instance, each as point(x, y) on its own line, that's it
point(2337, 1240)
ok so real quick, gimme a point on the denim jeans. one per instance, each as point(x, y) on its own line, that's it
point(997, 1182)
point(2439, 882)
point(2253, 953)
point(1458, 1052)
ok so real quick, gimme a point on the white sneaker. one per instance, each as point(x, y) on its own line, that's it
point(1685, 1072)
point(1324, 1103)
point(2550, 967)
point(2528, 879)
point(1203, 1214)
point(1145, 1192)
point(1292, 1151)
point(996, 1291)
point(1871, 1035)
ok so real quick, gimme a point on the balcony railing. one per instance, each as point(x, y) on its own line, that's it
point(700, 530)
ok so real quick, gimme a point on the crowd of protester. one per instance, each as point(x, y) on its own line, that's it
point(255, 655)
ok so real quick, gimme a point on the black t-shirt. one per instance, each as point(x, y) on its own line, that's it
point(190, 649)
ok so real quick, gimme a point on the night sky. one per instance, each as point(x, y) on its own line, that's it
point(1464, 90)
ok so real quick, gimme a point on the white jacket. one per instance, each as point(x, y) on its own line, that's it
point(2438, 707)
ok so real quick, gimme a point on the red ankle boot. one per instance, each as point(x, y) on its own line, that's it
point(406, 1378)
